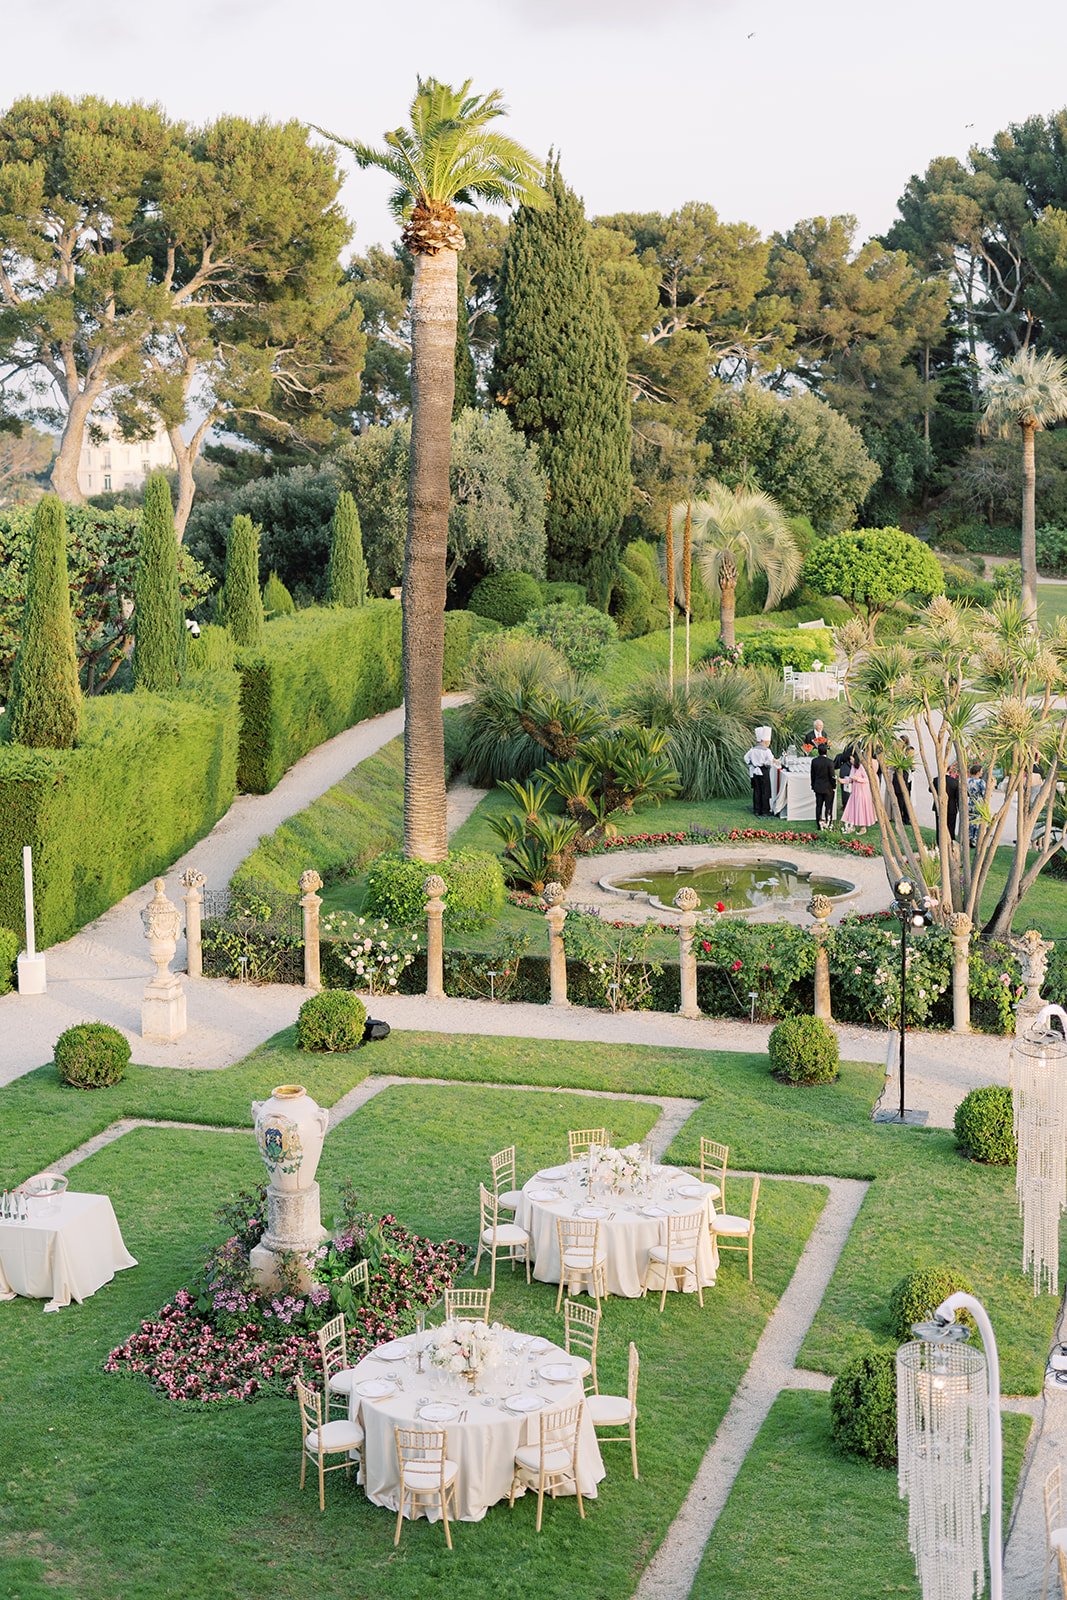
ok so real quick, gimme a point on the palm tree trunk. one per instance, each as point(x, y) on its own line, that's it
point(433, 346)
point(727, 597)
point(1028, 552)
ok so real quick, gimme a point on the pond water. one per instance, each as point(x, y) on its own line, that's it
point(740, 885)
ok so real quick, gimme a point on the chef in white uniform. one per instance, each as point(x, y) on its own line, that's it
point(759, 762)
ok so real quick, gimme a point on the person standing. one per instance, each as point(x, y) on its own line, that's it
point(901, 780)
point(815, 738)
point(759, 762)
point(823, 784)
point(975, 795)
point(859, 811)
point(842, 768)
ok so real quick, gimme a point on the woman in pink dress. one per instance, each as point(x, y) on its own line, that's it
point(859, 811)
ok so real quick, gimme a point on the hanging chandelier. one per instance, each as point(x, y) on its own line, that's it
point(1039, 1112)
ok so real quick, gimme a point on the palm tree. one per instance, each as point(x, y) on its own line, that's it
point(448, 156)
point(741, 528)
point(1028, 391)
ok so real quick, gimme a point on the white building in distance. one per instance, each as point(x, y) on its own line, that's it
point(116, 463)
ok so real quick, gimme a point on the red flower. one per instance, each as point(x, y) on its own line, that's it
point(719, 906)
point(736, 967)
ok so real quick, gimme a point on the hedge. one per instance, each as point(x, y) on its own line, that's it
point(150, 776)
point(319, 672)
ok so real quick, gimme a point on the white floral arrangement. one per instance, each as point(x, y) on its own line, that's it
point(376, 955)
point(463, 1347)
point(627, 1168)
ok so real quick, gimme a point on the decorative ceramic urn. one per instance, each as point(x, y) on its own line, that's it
point(290, 1130)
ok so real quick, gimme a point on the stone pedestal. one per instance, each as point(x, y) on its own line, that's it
point(435, 889)
point(310, 901)
point(686, 902)
point(31, 974)
point(163, 1005)
point(820, 906)
point(294, 1228)
point(193, 882)
point(290, 1129)
point(960, 925)
point(552, 898)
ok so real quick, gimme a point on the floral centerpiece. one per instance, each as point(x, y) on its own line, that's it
point(628, 1168)
point(463, 1348)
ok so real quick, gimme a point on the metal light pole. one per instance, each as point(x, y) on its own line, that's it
point(911, 915)
point(950, 1451)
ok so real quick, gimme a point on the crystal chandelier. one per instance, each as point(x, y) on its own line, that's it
point(1039, 1108)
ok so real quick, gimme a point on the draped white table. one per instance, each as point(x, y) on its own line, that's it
point(69, 1247)
point(627, 1233)
point(816, 685)
point(482, 1436)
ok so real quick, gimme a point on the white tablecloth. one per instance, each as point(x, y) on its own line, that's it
point(69, 1248)
point(793, 792)
point(816, 685)
point(483, 1444)
point(626, 1235)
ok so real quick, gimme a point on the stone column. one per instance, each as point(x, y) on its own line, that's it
point(1033, 953)
point(820, 906)
point(310, 883)
point(552, 898)
point(163, 1005)
point(687, 901)
point(960, 925)
point(193, 882)
point(435, 889)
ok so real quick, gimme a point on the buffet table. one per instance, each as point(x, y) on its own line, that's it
point(69, 1247)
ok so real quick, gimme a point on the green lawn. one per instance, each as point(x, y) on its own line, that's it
point(1051, 602)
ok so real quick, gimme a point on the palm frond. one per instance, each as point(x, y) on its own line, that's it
point(1028, 390)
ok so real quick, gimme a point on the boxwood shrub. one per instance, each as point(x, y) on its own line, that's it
point(917, 1296)
point(803, 1050)
point(984, 1125)
point(795, 647)
point(475, 894)
point(506, 597)
point(863, 1408)
point(92, 1055)
point(332, 1020)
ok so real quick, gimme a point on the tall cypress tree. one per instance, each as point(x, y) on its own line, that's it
point(466, 378)
point(159, 629)
point(346, 578)
point(561, 372)
point(45, 700)
point(241, 599)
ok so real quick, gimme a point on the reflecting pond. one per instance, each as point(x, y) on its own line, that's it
point(740, 885)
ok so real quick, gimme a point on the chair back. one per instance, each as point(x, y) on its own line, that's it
point(633, 1373)
point(423, 1449)
point(332, 1347)
point(559, 1431)
point(468, 1305)
point(683, 1233)
point(581, 1332)
point(579, 1140)
point(713, 1158)
point(576, 1235)
point(1053, 1502)
point(502, 1166)
point(752, 1202)
point(358, 1276)
point(490, 1210)
point(310, 1403)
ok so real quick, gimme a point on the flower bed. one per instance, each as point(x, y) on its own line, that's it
point(821, 841)
point(222, 1339)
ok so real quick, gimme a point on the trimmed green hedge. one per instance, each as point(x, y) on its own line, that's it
point(319, 672)
point(150, 776)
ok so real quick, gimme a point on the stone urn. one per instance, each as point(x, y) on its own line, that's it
point(290, 1130)
point(162, 923)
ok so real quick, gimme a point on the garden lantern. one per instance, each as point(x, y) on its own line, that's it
point(1039, 1110)
point(949, 1452)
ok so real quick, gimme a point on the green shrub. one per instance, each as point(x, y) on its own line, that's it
point(9, 949)
point(151, 775)
point(917, 1296)
point(803, 1050)
point(462, 630)
point(563, 594)
point(506, 597)
point(1052, 551)
point(583, 636)
point(277, 601)
point(475, 894)
point(984, 1126)
point(629, 604)
point(158, 623)
point(332, 1020)
point(92, 1055)
point(346, 575)
point(793, 647)
point(45, 703)
point(863, 1408)
point(241, 601)
point(212, 650)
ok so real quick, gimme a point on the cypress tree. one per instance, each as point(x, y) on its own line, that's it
point(561, 372)
point(346, 579)
point(466, 379)
point(45, 697)
point(158, 625)
point(241, 599)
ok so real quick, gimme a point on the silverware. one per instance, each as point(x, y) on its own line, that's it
point(463, 1415)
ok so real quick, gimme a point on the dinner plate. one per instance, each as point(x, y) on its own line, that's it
point(690, 1191)
point(554, 1172)
point(438, 1413)
point(524, 1402)
point(399, 1350)
point(1058, 1361)
point(536, 1346)
point(653, 1211)
point(559, 1371)
point(592, 1213)
point(376, 1388)
point(540, 1193)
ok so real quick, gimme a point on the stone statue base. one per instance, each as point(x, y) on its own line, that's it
point(294, 1228)
point(163, 1011)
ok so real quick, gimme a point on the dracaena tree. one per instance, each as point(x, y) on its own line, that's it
point(449, 155)
point(1028, 392)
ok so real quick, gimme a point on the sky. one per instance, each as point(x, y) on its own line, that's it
point(771, 110)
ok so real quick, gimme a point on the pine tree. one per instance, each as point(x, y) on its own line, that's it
point(159, 628)
point(561, 372)
point(241, 599)
point(346, 579)
point(466, 378)
point(45, 697)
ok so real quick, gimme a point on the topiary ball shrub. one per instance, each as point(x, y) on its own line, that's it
point(475, 892)
point(917, 1296)
point(9, 949)
point(803, 1050)
point(984, 1126)
point(584, 637)
point(92, 1055)
point(506, 597)
point(332, 1020)
point(863, 1408)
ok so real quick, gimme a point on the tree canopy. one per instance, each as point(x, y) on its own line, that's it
point(872, 568)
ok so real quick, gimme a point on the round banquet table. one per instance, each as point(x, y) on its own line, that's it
point(627, 1234)
point(816, 685)
point(482, 1436)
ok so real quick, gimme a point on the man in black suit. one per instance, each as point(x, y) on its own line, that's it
point(823, 784)
point(816, 736)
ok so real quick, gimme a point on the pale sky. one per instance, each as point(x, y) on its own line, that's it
point(771, 110)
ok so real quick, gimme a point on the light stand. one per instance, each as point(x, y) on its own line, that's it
point(911, 914)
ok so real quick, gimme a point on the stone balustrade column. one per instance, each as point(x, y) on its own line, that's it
point(960, 926)
point(1033, 953)
point(687, 902)
point(310, 883)
point(552, 899)
point(435, 889)
point(820, 906)
point(193, 882)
